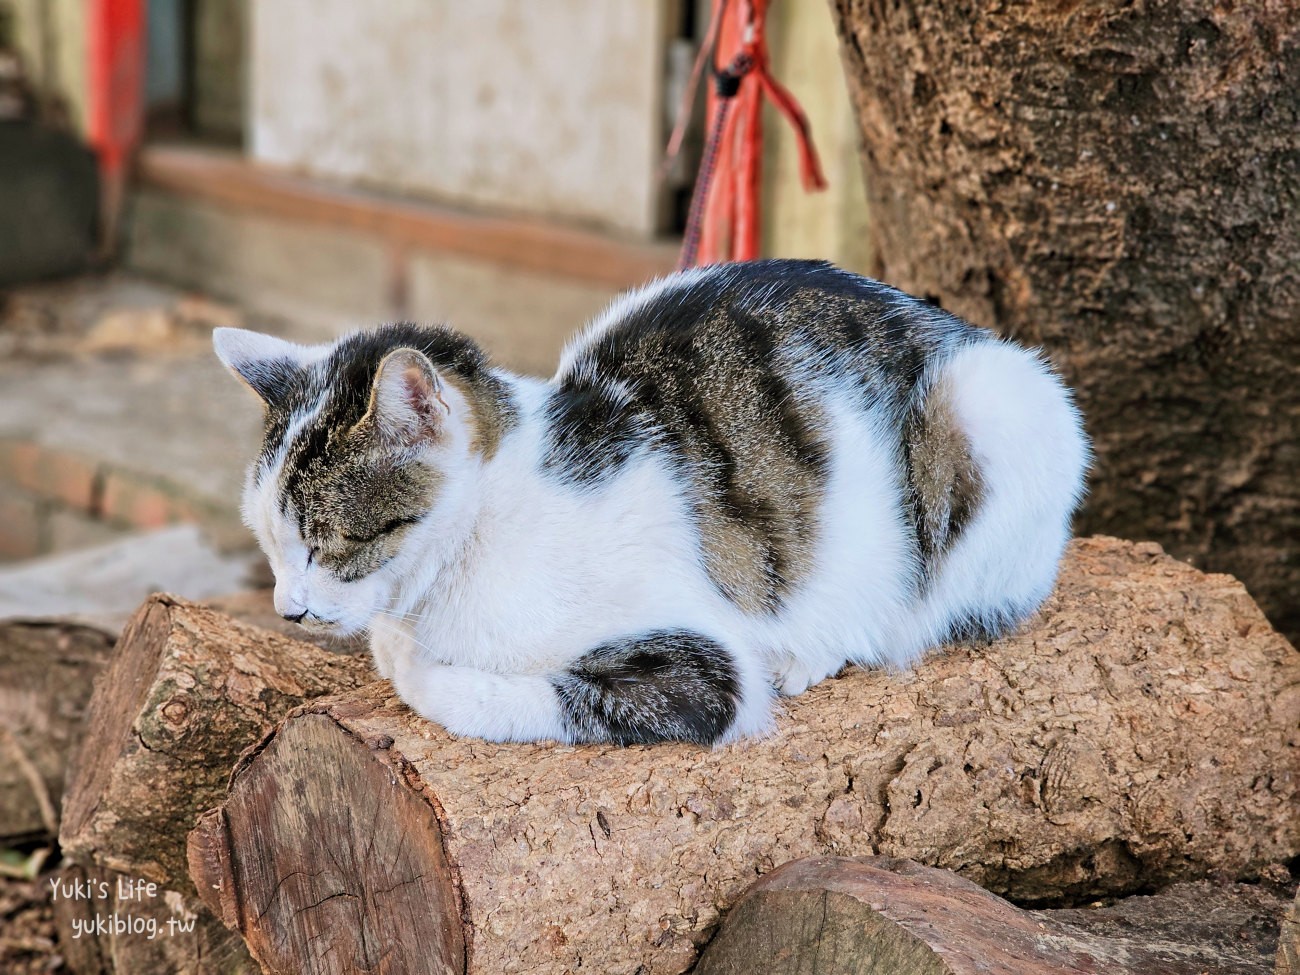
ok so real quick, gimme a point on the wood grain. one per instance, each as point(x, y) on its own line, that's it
point(863, 915)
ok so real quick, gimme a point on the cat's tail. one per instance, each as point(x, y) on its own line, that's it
point(665, 685)
point(668, 685)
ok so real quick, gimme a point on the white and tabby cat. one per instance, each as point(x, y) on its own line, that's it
point(741, 478)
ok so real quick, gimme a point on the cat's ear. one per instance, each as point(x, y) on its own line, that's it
point(267, 364)
point(409, 403)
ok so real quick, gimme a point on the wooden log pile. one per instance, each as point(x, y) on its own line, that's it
point(845, 916)
point(1143, 730)
point(47, 669)
point(187, 689)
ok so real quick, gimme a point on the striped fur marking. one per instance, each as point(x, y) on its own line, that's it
point(666, 686)
point(945, 488)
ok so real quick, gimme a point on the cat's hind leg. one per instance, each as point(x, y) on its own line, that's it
point(668, 685)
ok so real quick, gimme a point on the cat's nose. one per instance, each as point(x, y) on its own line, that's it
point(294, 618)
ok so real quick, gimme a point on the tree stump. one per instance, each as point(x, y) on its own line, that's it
point(1142, 730)
point(856, 916)
point(46, 673)
point(1117, 182)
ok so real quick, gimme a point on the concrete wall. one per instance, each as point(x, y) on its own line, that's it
point(547, 108)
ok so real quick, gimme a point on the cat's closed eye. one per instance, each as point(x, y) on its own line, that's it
point(385, 529)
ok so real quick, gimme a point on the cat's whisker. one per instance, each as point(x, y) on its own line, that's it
point(403, 617)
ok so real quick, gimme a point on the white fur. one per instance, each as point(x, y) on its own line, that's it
point(239, 347)
point(514, 575)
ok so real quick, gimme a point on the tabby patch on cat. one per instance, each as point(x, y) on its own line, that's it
point(740, 479)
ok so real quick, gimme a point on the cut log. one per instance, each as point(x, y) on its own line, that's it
point(1202, 926)
point(1288, 942)
point(1143, 730)
point(47, 669)
point(255, 606)
point(842, 916)
point(187, 690)
point(109, 925)
point(1116, 182)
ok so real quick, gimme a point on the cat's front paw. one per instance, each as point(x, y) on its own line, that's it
point(473, 703)
point(794, 676)
point(384, 660)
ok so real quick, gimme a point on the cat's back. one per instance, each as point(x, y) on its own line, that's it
point(747, 381)
point(733, 363)
point(771, 314)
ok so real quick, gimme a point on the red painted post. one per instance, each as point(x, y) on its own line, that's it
point(115, 45)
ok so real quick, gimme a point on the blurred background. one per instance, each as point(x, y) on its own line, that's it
point(310, 166)
point(1118, 184)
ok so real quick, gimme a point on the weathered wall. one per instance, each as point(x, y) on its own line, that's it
point(832, 224)
point(51, 38)
point(220, 67)
point(550, 109)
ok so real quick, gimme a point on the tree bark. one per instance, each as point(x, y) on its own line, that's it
point(1119, 183)
point(188, 689)
point(1143, 730)
point(46, 672)
point(845, 916)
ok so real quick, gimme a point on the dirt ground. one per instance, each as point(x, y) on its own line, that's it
point(29, 940)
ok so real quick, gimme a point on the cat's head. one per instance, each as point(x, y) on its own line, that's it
point(365, 441)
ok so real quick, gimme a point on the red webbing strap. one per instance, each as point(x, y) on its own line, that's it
point(725, 216)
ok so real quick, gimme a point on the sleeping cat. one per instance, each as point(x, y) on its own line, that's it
point(740, 479)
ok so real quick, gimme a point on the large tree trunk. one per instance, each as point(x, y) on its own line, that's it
point(1119, 182)
point(853, 916)
point(1143, 730)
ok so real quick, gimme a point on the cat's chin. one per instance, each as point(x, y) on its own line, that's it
point(336, 627)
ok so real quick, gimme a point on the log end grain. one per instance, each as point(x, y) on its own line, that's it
point(347, 872)
point(186, 691)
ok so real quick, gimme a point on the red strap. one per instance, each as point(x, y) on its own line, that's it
point(731, 212)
